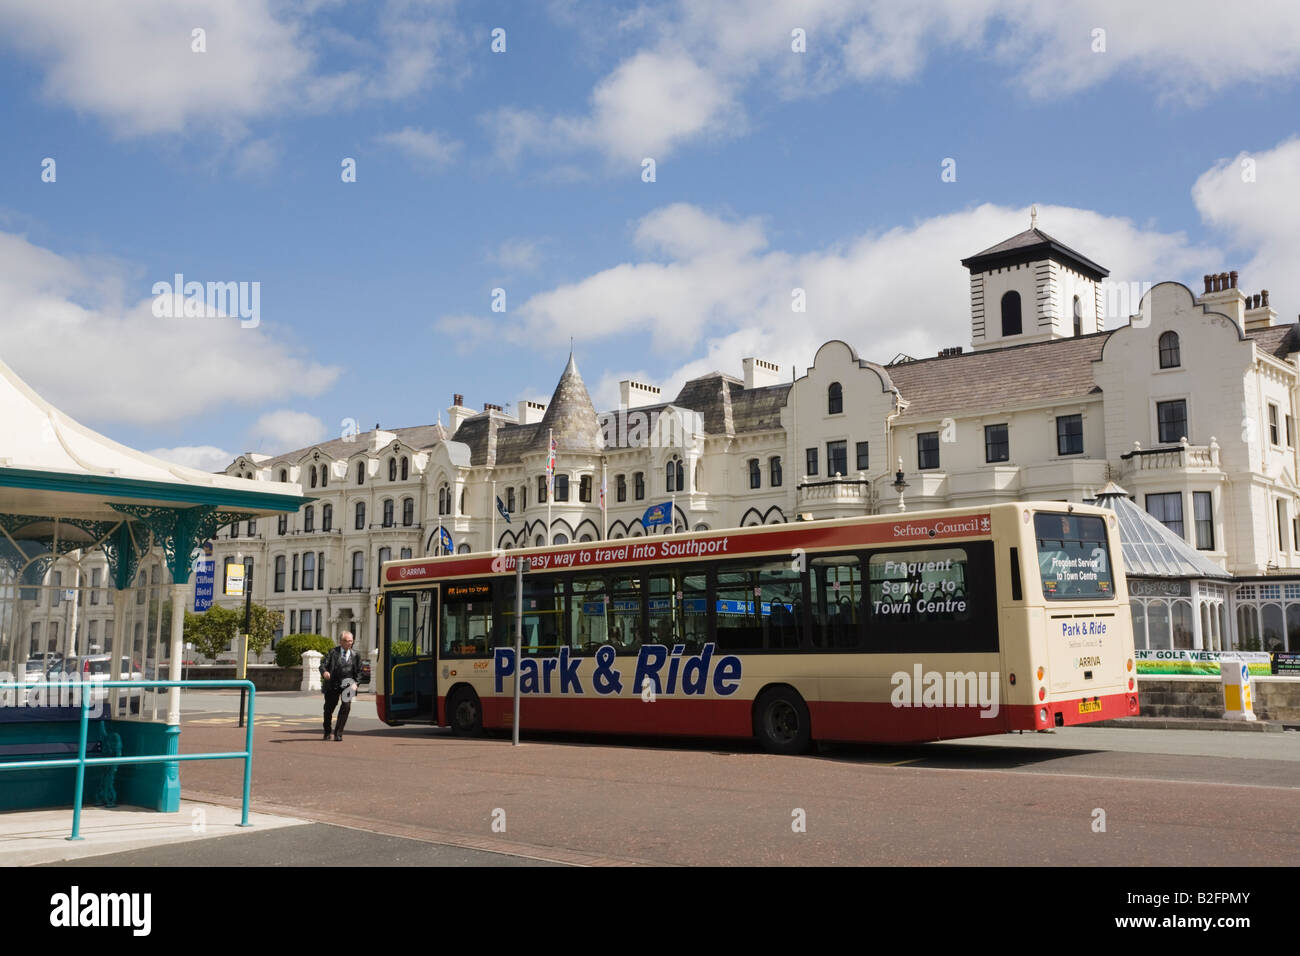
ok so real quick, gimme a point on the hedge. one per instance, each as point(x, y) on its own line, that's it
point(292, 646)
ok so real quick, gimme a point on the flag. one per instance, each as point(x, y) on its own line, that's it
point(550, 468)
point(501, 509)
point(657, 514)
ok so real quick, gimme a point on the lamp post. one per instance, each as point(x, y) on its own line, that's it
point(900, 485)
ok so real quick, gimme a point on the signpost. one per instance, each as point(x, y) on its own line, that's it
point(521, 565)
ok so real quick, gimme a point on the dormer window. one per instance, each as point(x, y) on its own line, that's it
point(1169, 352)
point(834, 399)
point(1011, 324)
point(1078, 316)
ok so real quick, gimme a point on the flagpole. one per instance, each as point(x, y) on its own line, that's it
point(492, 507)
point(439, 551)
point(550, 481)
point(604, 505)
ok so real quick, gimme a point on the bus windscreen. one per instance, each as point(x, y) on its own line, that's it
point(1073, 557)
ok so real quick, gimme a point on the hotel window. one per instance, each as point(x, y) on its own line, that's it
point(234, 528)
point(755, 474)
point(1011, 314)
point(510, 500)
point(361, 472)
point(320, 571)
point(462, 502)
point(309, 572)
point(324, 476)
point(318, 620)
point(313, 477)
point(1169, 353)
point(675, 475)
point(326, 517)
point(294, 580)
point(638, 485)
point(1272, 424)
point(835, 399)
point(284, 475)
point(282, 524)
point(620, 487)
point(523, 497)
point(361, 516)
point(561, 487)
point(863, 452)
point(1290, 433)
point(541, 489)
point(408, 512)
point(392, 469)
point(406, 468)
point(358, 570)
point(837, 458)
point(1078, 317)
point(1168, 510)
point(385, 554)
point(1171, 421)
point(388, 512)
point(304, 621)
point(279, 573)
point(406, 553)
point(997, 444)
point(1282, 543)
point(584, 488)
point(927, 450)
point(94, 585)
point(810, 461)
point(1069, 434)
point(774, 471)
point(309, 518)
point(1202, 503)
point(293, 622)
point(252, 528)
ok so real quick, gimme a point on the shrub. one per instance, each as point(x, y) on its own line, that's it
point(291, 647)
point(403, 649)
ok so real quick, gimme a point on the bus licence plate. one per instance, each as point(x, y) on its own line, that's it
point(1089, 706)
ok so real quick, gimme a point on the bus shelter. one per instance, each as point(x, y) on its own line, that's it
point(97, 545)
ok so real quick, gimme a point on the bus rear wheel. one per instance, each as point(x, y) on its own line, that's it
point(465, 713)
point(781, 722)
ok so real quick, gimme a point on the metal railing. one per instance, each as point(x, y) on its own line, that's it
point(81, 761)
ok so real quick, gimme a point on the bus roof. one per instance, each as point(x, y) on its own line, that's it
point(863, 531)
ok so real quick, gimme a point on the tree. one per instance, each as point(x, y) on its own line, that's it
point(262, 625)
point(212, 631)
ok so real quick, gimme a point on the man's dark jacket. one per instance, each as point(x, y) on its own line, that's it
point(333, 662)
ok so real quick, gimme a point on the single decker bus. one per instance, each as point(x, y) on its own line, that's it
point(885, 628)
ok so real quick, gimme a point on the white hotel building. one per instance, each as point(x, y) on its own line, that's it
point(1190, 407)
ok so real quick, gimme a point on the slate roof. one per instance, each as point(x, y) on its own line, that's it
point(1028, 246)
point(1150, 549)
point(570, 417)
point(416, 436)
point(1277, 340)
point(1017, 374)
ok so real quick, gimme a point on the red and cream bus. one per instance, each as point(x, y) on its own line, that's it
point(907, 627)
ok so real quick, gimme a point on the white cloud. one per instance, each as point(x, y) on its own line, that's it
point(74, 334)
point(699, 58)
point(721, 292)
point(284, 430)
point(518, 255)
point(427, 147)
point(1262, 217)
point(202, 457)
point(133, 64)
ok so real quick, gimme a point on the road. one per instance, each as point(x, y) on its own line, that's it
point(1103, 796)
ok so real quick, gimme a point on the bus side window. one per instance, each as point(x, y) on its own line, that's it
point(836, 593)
point(1017, 592)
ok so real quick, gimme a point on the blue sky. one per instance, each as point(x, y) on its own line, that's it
point(1162, 149)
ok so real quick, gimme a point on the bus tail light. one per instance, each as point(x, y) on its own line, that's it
point(1040, 673)
point(1042, 715)
point(1011, 679)
point(1129, 665)
point(1130, 683)
point(1042, 693)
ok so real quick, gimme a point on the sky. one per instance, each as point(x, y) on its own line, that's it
point(418, 198)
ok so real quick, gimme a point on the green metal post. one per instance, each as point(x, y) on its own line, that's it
point(81, 766)
point(248, 760)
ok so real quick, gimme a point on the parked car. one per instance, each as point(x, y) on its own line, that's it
point(365, 672)
point(100, 666)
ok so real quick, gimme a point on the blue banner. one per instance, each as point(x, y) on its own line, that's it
point(204, 579)
point(501, 509)
point(447, 547)
point(658, 514)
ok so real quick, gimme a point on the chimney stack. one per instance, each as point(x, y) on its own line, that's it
point(1259, 315)
point(530, 412)
point(635, 395)
point(759, 372)
point(457, 413)
point(1222, 295)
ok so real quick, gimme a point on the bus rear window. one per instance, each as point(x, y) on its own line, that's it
point(1073, 557)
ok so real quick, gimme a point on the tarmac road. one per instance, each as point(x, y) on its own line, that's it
point(1165, 797)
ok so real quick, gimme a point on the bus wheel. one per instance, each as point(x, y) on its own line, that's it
point(781, 722)
point(464, 713)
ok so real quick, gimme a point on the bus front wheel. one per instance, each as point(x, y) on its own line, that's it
point(781, 722)
point(464, 713)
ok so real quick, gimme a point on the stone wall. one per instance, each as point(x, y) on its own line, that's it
point(1274, 698)
point(264, 677)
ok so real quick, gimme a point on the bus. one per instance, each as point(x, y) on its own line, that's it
point(885, 628)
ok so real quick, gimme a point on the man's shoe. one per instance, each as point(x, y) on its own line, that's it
point(327, 735)
point(338, 736)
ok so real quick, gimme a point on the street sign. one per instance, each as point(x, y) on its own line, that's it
point(204, 575)
point(235, 579)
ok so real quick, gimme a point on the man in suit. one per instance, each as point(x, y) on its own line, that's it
point(339, 664)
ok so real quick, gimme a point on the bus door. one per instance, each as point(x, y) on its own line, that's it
point(410, 625)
